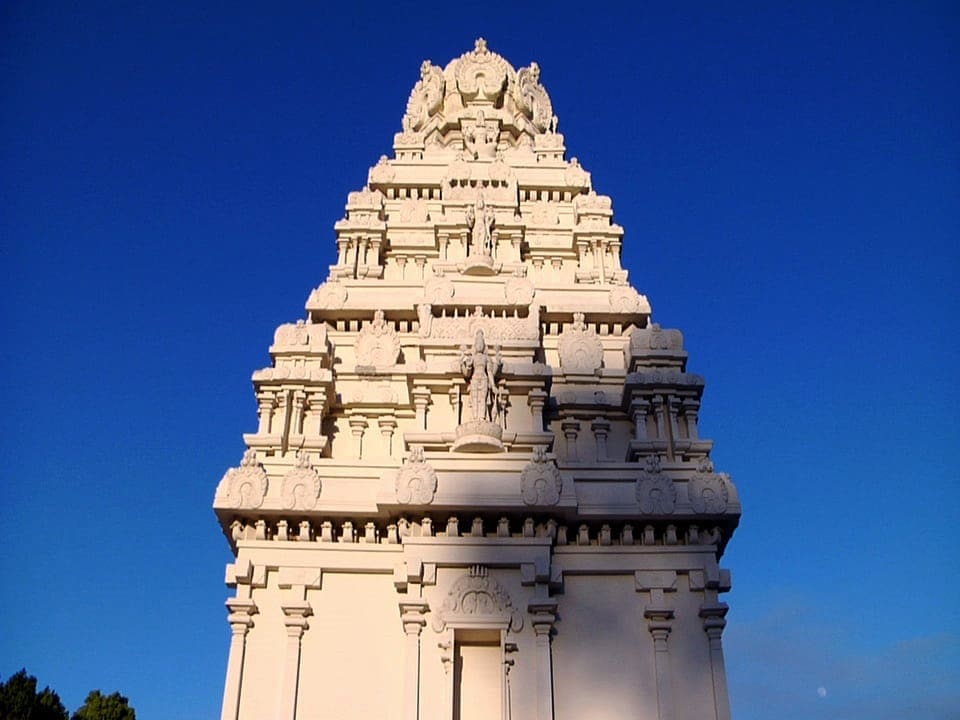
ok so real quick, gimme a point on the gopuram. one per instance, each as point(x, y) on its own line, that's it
point(477, 489)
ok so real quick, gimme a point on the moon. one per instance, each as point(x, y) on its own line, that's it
point(822, 691)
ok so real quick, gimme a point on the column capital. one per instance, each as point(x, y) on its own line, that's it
point(239, 615)
point(412, 616)
point(295, 616)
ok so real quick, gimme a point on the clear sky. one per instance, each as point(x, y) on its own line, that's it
point(788, 176)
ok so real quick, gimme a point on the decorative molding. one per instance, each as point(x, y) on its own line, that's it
point(417, 480)
point(708, 490)
point(477, 599)
point(656, 493)
point(377, 344)
point(540, 481)
point(244, 486)
point(301, 485)
point(331, 295)
point(579, 347)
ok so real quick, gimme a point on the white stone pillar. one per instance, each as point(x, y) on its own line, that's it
point(536, 400)
point(659, 617)
point(571, 428)
point(358, 425)
point(412, 617)
point(421, 399)
point(544, 615)
point(295, 620)
point(691, 409)
point(266, 402)
point(640, 409)
point(601, 429)
point(714, 622)
point(240, 621)
point(660, 623)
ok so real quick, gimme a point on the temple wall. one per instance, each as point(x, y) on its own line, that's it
point(602, 652)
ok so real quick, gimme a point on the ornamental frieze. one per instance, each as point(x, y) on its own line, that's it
point(656, 493)
point(540, 481)
point(244, 486)
point(708, 490)
point(301, 485)
point(477, 597)
point(416, 481)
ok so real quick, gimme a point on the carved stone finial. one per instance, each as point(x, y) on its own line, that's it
point(480, 46)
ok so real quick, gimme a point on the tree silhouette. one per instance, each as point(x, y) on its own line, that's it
point(98, 706)
point(19, 700)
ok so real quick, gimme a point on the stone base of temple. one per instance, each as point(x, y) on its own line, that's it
point(478, 436)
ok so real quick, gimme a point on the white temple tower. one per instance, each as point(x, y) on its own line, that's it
point(477, 489)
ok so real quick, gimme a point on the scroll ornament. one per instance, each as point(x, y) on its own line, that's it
point(474, 597)
point(244, 486)
point(708, 490)
point(329, 296)
point(417, 481)
point(301, 485)
point(540, 481)
point(426, 98)
point(377, 344)
point(579, 347)
point(656, 492)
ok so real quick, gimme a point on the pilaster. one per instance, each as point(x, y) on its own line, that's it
point(240, 618)
point(295, 620)
point(412, 616)
point(544, 615)
point(714, 621)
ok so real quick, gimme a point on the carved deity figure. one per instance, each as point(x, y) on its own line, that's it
point(481, 370)
point(480, 219)
point(480, 140)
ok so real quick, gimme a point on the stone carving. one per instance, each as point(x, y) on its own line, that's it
point(518, 291)
point(425, 317)
point(382, 172)
point(477, 597)
point(480, 137)
point(482, 432)
point(378, 343)
point(329, 296)
point(417, 480)
point(414, 211)
point(540, 481)
point(579, 347)
point(708, 490)
point(245, 486)
point(480, 218)
point(656, 492)
point(481, 371)
point(628, 300)
point(500, 173)
point(301, 485)
point(575, 176)
point(544, 213)
point(495, 329)
point(481, 75)
point(300, 336)
point(438, 290)
point(380, 393)
point(426, 98)
point(655, 338)
point(532, 99)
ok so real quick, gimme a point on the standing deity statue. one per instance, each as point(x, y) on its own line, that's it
point(480, 219)
point(481, 370)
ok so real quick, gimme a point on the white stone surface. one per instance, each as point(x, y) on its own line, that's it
point(476, 476)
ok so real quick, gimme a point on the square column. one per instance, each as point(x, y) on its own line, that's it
point(240, 611)
point(412, 617)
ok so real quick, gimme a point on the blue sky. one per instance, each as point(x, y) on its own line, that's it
point(788, 177)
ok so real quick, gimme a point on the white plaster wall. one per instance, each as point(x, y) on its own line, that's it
point(602, 652)
point(263, 663)
point(352, 654)
point(690, 656)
